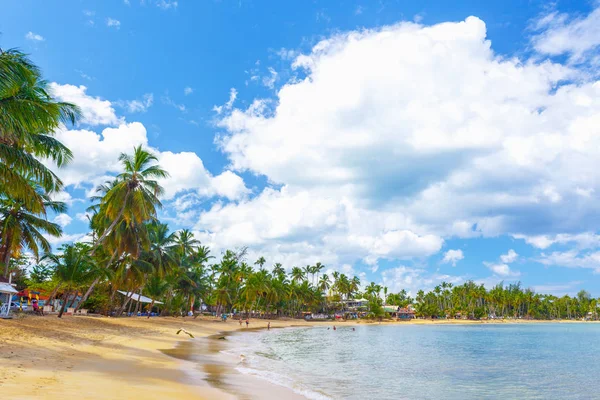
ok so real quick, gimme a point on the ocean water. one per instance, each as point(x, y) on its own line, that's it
point(525, 361)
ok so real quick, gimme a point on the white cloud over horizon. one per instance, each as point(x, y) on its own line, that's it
point(384, 145)
point(425, 127)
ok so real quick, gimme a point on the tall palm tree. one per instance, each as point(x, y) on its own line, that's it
point(297, 274)
point(278, 270)
point(22, 228)
point(260, 262)
point(316, 269)
point(134, 198)
point(28, 118)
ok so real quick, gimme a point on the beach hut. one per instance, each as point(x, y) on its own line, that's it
point(139, 298)
point(6, 293)
point(406, 313)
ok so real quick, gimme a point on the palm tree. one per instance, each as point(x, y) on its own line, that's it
point(297, 274)
point(155, 288)
point(318, 267)
point(307, 270)
point(22, 228)
point(278, 270)
point(73, 268)
point(162, 248)
point(134, 198)
point(28, 118)
point(260, 262)
point(186, 243)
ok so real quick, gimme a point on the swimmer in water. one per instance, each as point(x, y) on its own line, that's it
point(334, 327)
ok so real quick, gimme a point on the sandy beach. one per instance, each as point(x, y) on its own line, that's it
point(108, 358)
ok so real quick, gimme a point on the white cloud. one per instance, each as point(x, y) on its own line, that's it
point(187, 172)
point(63, 220)
point(584, 240)
point(558, 289)
point(572, 259)
point(560, 34)
point(84, 217)
point(66, 238)
point(277, 220)
point(167, 100)
point(166, 4)
point(584, 192)
point(140, 105)
point(414, 279)
point(501, 269)
point(229, 105)
point(188, 90)
point(113, 23)
point(426, 127)
point(95, 110)
point(34, 36)
point(269, 81)
point(509, 257)
point(453, 256)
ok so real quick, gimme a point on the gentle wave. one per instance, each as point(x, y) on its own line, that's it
point(284, 381)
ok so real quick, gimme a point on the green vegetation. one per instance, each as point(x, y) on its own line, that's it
point(130, 250)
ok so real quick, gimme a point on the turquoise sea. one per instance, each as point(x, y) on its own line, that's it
point(524, 361)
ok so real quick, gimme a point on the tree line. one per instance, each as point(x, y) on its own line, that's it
point(129, 249)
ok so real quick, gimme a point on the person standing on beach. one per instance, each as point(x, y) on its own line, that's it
point(247, 322)
point(240, 321)
point(269, 326)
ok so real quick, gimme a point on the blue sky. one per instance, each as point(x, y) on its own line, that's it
point(403, 142)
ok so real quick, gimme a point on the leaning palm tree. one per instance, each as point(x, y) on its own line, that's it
point(134, 198)
point(74, 267)
point(28, 118)
point(21, 228)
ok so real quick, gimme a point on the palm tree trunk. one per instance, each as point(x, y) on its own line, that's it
point(111, 301)
point(64, 305)
point(87, 293)
point(6, 259)
point(112, 225)
point(91, 288)
point(122, 308)
point(150, 309)
point(53, 294)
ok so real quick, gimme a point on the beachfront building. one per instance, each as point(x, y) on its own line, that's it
point(405, 313)
point(354, 304)
point(6, 292)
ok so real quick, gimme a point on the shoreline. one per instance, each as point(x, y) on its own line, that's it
point(107, 358)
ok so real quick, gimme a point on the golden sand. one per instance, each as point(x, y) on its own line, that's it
point(120, 358)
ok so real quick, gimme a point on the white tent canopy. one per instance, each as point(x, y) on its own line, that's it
point(139, 297)
point(7, 288)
